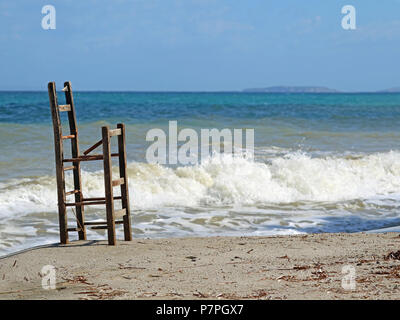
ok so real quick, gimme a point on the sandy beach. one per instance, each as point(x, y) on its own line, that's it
point(280, 267)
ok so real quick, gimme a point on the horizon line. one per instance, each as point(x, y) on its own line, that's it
point(201, 91)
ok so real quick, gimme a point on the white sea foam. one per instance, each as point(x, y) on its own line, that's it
point(226, 180)
point(296, 177)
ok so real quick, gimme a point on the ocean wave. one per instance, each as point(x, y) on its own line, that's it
point(226, 180)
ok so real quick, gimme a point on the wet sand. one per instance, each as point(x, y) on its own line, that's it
point(281, 267)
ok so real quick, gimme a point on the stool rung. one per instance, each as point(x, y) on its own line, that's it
point(69, 168)
point(97, 144)
point(71, 192)
point(71, 136)
point(118, 182)
point(89, 157)
point(74, 229)
point(96, 223)
point(99, 227)
point(64, 107)
point(84, 203)
point(102, 198)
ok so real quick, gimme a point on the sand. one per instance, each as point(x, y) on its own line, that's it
point(280, 267)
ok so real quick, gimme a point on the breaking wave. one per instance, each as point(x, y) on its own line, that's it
point(226, 180)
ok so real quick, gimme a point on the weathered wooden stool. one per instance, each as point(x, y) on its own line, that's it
point(75, 160)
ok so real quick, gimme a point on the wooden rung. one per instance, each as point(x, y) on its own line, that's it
point(96, 223)
point(71, 192)
point(74, 229)
point(71, 136)
point(89, 158)
point(119, 213)
point(85, 158)
point(118, 182)
point(69, 168)
point(99, 227)
point(97, 144)
point(95, 199)
point(102, 198)
point(115, 132)
point(64, 107)
point(84, 203)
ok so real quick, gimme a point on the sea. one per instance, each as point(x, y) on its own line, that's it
point(326, 162)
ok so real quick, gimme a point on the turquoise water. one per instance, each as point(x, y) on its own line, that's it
point(323, 163)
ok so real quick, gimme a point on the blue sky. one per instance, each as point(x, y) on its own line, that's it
point(199, 45)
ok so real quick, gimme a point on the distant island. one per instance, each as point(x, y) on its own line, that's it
point(391, 90)
point(312, 89)
point(292, 89)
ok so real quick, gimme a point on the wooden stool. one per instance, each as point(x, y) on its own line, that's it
point(75, 160)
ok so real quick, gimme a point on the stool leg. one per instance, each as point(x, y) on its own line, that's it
point(58, 147)
point(75, 153)
point(108, 186)
point(124, 187)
